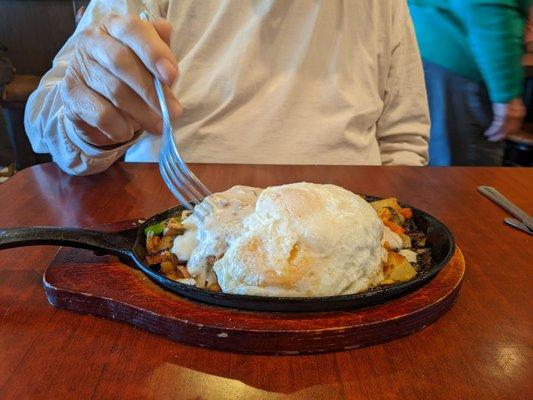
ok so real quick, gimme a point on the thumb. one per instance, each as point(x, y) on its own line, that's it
point(494, 132)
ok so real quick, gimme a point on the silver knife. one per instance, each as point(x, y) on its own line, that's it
point(517, 224)
point(506, 204)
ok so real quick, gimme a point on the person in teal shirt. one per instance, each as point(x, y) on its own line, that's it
point(472, 51)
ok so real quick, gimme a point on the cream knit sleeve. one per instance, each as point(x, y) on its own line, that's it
point(403, 128)
point(47, 127)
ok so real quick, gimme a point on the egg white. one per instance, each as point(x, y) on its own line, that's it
point(304, 239)
point(300, 240)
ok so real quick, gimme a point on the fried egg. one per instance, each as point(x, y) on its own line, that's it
point(296, 240)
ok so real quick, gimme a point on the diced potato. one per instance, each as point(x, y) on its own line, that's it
point(167, 267)
point(398, 268)
point(187, 281)
point(172, 276)
point(406, 241)
point(214, 287)
point(410, 255)
point(384, 214)
point(403, 272)
point(153, 259)
point(168, 256)
point(390, 202)
point(396, 217)
point(390, 214)
point(166, 242)
point(160, 257)
point(174, 227)
point(183, 272)
point(152, 244)
point(178, 273)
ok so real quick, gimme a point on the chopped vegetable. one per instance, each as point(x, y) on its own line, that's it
point(214, 287)
point(410, 255)
point(153, 259)
point(159, 239)
point(396, 217)
point(156, 229)
point(166, 242)
point(390, 202)
point(406, 212)
point(161, 256)
point(152, 244)
point(394, 227)
point(174, 227)
point(183, 270)
point(402, 264)
point(176, 273)
point(168, 256)
point(397, 268)
point(167, 267)
point(384, 213)
point(406, 241)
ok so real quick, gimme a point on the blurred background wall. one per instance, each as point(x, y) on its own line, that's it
point(32, 32)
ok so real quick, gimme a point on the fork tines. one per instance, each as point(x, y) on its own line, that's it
point(185, 186)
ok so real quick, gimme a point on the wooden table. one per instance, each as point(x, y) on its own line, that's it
point(481, 349)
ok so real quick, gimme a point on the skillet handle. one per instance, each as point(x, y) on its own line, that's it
point(116, 243)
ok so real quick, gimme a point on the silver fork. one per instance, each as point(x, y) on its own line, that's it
point(183, 184)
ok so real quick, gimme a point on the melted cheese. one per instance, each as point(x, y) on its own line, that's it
point(210, 236)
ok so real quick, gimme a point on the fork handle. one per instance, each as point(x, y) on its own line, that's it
point(506, 204)
point(145, 16)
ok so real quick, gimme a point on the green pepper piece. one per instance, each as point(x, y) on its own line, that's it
point(156, 229)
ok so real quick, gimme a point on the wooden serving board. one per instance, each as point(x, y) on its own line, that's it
point(80, 281)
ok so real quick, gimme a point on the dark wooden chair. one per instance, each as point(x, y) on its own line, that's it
point(519, 150)
point(13, 103)
point(33, 31)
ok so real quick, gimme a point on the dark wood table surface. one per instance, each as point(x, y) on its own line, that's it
point(480, 349)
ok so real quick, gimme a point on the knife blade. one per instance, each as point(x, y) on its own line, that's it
point(517, 224)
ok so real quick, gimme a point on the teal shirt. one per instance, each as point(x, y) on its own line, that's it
point(479, 39)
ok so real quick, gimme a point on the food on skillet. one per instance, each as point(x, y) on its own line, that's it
point(297, 240)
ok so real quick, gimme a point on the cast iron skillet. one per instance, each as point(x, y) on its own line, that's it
point(129, 246)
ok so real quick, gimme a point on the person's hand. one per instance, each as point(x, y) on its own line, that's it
point(108, 91)
point(508, 118)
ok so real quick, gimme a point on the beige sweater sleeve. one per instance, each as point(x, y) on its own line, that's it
point(47, 127)
point(403, 128)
